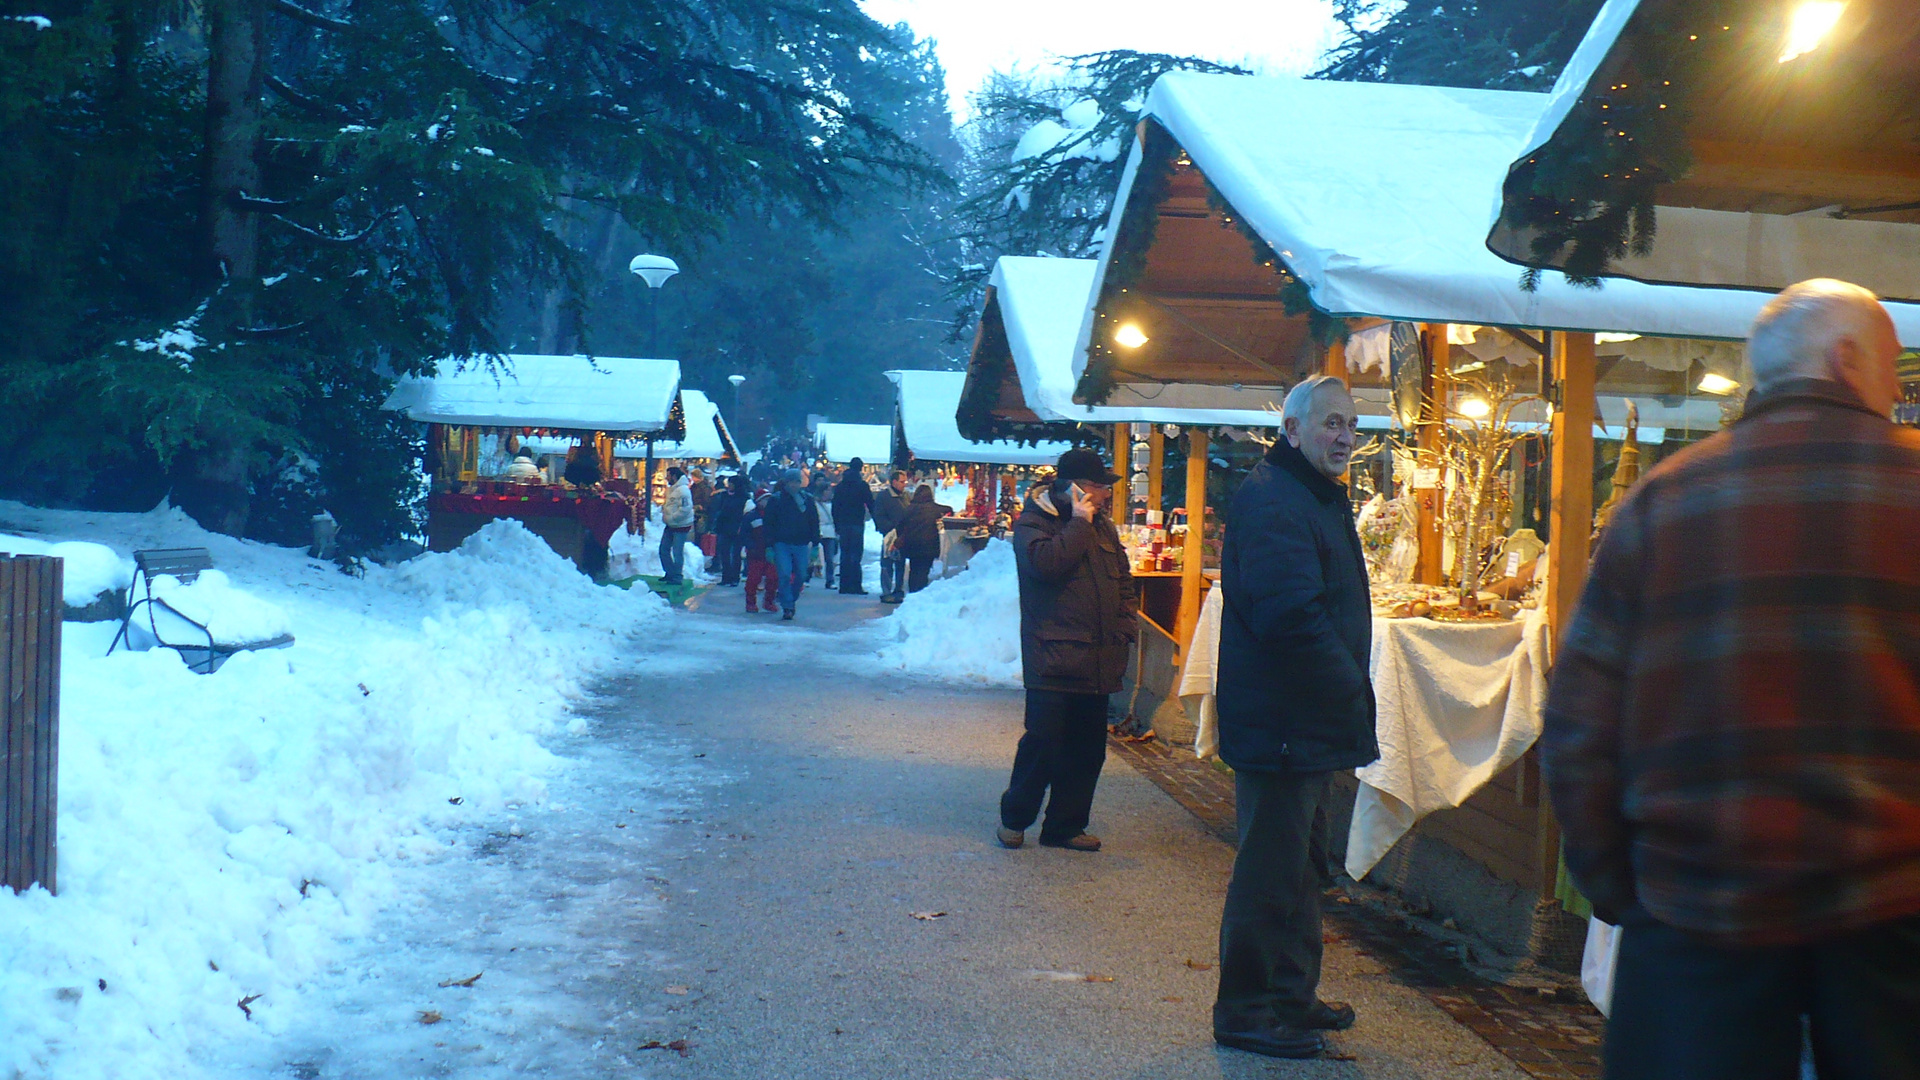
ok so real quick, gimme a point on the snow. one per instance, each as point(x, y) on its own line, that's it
point(38, 22)
point(965, 628)
point(90, 569)
point(231, 615)
point(841, 443)
point(591, 393)
point(228, 835)
point(703, 433)
point(926, 403)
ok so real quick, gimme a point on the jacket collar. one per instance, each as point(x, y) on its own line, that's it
point(1804, 392)
point(1284, 455)
point(1042, 498)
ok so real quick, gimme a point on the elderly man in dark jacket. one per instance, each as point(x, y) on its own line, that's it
point(1077, 625)
point(1296, 703)
point(852, 501)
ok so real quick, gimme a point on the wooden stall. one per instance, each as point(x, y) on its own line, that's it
point(477, 415)
point(1272, 228)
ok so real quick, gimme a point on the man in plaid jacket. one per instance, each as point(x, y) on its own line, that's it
point(1732, 734)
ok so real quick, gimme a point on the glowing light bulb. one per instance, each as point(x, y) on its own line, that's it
point(1715, 383)
point(1130, 336)
point(1809, 26)
point(1474, 408)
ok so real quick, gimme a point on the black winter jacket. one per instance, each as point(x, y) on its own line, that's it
point(852, 498)
point(889, 507)
point(725, 511)
point(790, 523)
point(919, 530)
point(1077, 602)
point(1295, 634)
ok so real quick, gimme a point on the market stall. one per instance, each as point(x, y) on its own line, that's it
point(841, 443)
point(1250, 239)
point(477, 415)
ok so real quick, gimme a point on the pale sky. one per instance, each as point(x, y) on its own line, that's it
point(975, 37)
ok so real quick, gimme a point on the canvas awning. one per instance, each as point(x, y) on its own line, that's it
point(841, 443)
point(604, 393)
point(925, 404)
point(1035, 309)
point(1376, 196)
point(1795, 166)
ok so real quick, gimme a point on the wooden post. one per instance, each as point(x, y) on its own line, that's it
point(1571, 525)
point(1430, 569)
point(1156, 467)
point(1121, 465)
point(1194, 556)
point(31, 605)
point(1336, 364)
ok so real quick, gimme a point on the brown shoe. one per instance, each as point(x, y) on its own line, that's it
point(1009, 838)
point(1083, 842)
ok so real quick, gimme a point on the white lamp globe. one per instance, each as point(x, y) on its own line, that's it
point(654, 269)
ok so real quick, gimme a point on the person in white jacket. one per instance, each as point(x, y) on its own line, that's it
point(676, 514)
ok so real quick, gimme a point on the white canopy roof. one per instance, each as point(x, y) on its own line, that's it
point(1044, 303)
point(703, 438)
point(841, 443)
point(1377, 196)
point(1719, 247)
point(926, 403)
point(601, 393)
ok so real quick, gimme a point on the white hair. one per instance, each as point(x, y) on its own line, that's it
point(1795, 332)
point(1299, 401)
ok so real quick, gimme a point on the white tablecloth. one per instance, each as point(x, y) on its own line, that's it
point(1457, 704)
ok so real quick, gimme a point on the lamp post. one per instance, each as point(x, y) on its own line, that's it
point(736, 380)
point(654, 270)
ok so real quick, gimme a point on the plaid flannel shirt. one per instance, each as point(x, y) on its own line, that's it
point(1732, 732)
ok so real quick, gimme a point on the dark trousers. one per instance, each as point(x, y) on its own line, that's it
point(829, 557)
point(1685, 1007)
point(893, 574)
point(1064, 748)
point(919, 567)
point(730, 551)
point(1270, 928)
point(853, 550)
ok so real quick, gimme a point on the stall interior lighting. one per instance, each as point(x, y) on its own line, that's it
point(1614, 339)
point(1716, 383)
point(1809, 25)
point(1130, 336)
point(1474, 408)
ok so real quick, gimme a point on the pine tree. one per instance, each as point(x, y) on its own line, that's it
point(1483, 44)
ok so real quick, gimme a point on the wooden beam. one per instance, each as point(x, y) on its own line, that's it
point(1430, 568)
point(1121, 466)
point(1156, 466)
point(1194, 552)
point(1571, 520)
point(1336, 363)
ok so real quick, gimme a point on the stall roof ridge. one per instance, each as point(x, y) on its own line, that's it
point(841, 443)
point(927, 404)
point(1405, 239)
point(578, 392)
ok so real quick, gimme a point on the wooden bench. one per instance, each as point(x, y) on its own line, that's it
point(186, 565)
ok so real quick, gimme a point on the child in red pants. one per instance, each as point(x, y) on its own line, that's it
point(759, 567)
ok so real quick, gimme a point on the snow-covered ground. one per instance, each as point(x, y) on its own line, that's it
point(224, 838)
point(964, 628)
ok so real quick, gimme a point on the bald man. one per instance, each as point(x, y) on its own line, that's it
point(1732, 734)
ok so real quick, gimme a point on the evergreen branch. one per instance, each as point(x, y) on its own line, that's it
point(334, 238)
point(312, 18)
point(307, 102)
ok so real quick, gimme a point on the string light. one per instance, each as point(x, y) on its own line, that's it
point(1129, 336)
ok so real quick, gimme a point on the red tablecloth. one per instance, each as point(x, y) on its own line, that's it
point(600, 515)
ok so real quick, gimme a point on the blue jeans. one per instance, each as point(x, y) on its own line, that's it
point(673, 553)
point(791, 561)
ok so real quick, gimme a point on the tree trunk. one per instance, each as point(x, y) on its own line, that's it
point(236, 73)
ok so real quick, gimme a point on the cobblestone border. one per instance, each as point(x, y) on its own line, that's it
point(1547, 1037)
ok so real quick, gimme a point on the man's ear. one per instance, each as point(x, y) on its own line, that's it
point(1291, 428)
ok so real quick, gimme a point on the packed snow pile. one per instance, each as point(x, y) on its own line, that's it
point(964, 628)
point(221, 836)
point(231, 615)
point(88, 570)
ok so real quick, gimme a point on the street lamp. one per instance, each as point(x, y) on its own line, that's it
point(654, 270)
point(736, 380)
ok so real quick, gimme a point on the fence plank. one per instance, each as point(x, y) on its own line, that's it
point(13, 646)
point(30, 612)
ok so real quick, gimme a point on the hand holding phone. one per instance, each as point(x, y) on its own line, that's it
point(1083, 505)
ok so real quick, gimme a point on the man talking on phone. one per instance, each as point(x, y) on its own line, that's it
point(1077, 628)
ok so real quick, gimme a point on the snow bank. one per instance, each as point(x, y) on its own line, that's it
point(222, 835)
point(965, 628)
point(91, 569)
point(232, 616)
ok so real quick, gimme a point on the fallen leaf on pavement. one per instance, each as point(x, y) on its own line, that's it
point(678, 1046)
point(468, 981)
point(247, 1001)
point(678, 991)
point(430, 1016)
point(1339, 1055)
point(1068, 976)
point(1174, 999)
point(929, 916)
point(1199, 965)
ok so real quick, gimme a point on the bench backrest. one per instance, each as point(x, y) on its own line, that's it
point(182, 563)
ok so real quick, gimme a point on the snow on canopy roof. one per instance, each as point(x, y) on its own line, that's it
point(703, 438)
point(926, 403)
point(1044, 304)
point(600, 393)
point(841, 443)
point(1378, 195)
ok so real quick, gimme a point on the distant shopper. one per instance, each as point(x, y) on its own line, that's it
point(676, 520)
point(889, 509)
point(1077, 627)
point(760, 569)
point(920, 536)
point(728, 510)
point(793, 524)
point(852, 503)
point(1732, 735)
point(583, 466)
point(828, 545)
point(523, 469)
point(1295, 703)
point(702, 490)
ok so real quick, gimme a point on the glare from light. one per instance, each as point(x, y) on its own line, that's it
point(1129, 336)
point(1474, 408)
point(1810, 25)
point(1614, 339)
point(1468, 369)
point(1715, 383)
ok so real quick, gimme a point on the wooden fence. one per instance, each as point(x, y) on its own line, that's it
point(30, 610)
